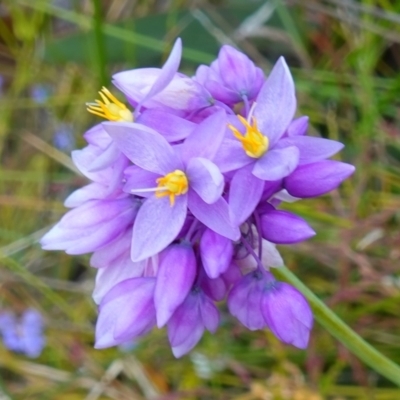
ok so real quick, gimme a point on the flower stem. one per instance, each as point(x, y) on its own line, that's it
point(328, 319)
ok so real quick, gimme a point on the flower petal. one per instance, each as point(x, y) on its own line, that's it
point(185, 328)
point(244, 302)
point(205, 179)
point(168, 71)
point(276, 164)
point(209, 314)
point(244, 194)
point(215, 216)
point(276, 102)
point(311, 149)
point(206, 138)
point(231, 156)
point(157, 224)
point(298, 127)
point(171, 127)
point(144, 147)
point(90, 226)
point(287, 314)
point(133, 296)
point(107, 278)
point(137, 179)
point(89, 192)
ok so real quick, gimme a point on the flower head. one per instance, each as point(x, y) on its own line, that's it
point(182, 208)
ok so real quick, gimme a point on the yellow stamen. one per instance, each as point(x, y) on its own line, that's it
point(254, 143)
point(173, 184)
point(109, 107)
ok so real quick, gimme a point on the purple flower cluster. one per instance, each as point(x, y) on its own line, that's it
point(181, 211)
point(23, 335)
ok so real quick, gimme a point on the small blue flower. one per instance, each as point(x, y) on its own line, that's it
point(23, 335)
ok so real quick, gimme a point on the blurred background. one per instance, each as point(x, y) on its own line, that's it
point(345, 57)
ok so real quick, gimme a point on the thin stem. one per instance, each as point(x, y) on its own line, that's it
point(328, 319)
point(99, 42)
point(259, 237)
point(252, 252)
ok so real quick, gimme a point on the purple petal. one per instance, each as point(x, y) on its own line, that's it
point(287, 314)
point(89, 192)
point(172, 127)
point(215, 216)
point(282, 227)
point(109, 277)
point(125, 312)
point(90, 226)
point(168, 71)
point(205, 179)
point(276, 102)
point(113, 253)
point(221, 92)
point(276, 164)
point(186, 328)
point(216, 253)
point(83, 160)
point(244, 194)
point(185, 318)
point(157, 225)
point(106, 158)
point(298, 127)
point(97, 136)
point(209, 314)
point(138, 178)
point(231, 156)
point(144, 147)
point(315, 179)
point(216, 288)
point(182, 94)
point(233, 274)
point(176, 274)
point(206, 138)
point(311, 149)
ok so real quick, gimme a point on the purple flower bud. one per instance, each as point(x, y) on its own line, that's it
point(283, 227)
point(176, 274)
point(216, 253)
point(191, 318)
point(126, 312)
point(287, 314)
point(232, 76)
point(244, 300)
point(318, 178)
